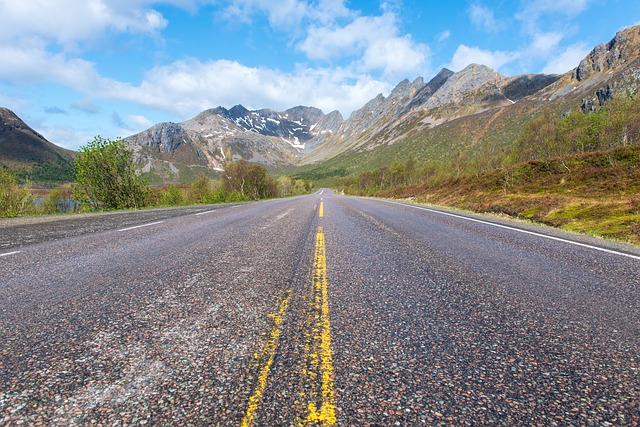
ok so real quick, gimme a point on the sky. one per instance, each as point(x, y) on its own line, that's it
point(74, 69)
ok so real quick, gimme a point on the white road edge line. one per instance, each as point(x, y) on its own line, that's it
point(205, 212)
point(533, 233)
point(140, 226)
point(10, 253)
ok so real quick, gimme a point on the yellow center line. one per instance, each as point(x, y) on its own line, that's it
point(321, 210)
point(321, 408)
point(269, 350)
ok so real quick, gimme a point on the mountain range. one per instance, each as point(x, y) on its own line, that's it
point(461, 112)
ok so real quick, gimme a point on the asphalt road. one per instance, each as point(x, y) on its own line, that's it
point(319, 310)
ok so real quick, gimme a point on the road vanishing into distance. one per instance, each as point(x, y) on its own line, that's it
point(319, 310)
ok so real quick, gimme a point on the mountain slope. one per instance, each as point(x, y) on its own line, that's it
point(29, 154)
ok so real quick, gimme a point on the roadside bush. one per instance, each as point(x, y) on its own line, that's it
point(13, 199)
point(58, 201)
point(199, 190)
point(171, 196)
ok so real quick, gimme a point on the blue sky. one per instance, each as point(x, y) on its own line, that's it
point(73, 69)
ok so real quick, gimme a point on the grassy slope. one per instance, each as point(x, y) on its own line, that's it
point(596, 193)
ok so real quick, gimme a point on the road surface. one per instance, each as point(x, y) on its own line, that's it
point(319, 310)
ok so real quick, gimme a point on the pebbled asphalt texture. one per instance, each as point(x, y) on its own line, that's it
point(434, 320)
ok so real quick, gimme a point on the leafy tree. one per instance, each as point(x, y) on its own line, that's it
point(249, 180)
point(105, 176)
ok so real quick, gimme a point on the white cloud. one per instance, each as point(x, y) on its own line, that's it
point(567, 60)
point(396, 57)
point(70, 22)
point(465, 55)
point(373, 42)
point(482, 17)
point(33, 64)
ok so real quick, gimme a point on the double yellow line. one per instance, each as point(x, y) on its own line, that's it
point(320, 408)
point(317, 369)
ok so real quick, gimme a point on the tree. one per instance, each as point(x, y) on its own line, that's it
point(105, 176)
point(249, 180)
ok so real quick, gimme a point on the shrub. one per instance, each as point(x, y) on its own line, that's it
point(105, 176)
point(13, 198)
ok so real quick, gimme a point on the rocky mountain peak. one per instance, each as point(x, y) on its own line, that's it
point(475, 75)
point(423, 94)
point(306, 115)
point(474, 82)
point(623, 48)
point(238, 111)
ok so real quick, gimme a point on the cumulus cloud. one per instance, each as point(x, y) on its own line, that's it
point(545, 27)
point(374, 42)
point(70, 22)
point(465, 55)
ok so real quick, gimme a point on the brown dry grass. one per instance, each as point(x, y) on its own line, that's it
point(595, 193)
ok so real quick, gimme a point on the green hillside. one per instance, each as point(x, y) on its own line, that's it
point(29, 155)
